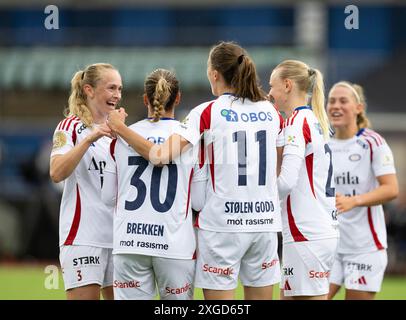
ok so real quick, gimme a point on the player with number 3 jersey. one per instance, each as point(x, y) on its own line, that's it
point(78, 158)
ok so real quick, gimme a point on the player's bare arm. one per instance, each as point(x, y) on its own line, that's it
point(157, 154)
point(62, 166)
point(388, 190)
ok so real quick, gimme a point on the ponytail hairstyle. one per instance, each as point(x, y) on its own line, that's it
point(358, 93)
point(77, 102)
point(237, 69)
point(308, 80)
point(161, 88)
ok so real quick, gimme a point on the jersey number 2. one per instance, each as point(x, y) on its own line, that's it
point(155, 185)
point(330, 191)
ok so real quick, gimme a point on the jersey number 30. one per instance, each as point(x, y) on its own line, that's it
point(155, 185)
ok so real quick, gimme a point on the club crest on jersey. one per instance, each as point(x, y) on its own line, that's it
point(230, 115)
point(354, 157)
point(362, 144)
point(59, 140)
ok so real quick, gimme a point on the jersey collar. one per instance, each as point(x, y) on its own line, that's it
point(303, 107)
point(360, 131)
point(165, 118)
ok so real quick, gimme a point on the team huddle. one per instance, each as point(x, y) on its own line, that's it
point(163, 206)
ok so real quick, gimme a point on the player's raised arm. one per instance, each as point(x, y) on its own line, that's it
point(157, 154)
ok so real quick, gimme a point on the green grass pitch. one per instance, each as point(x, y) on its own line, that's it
point(19, 282)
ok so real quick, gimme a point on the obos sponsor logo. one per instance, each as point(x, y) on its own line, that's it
point(232, 116)
point(221, 271)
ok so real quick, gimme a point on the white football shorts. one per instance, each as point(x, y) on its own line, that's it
point(362, 271)
point(84, 265)
point(306, 267)
point(223, 257)
point(137, 276)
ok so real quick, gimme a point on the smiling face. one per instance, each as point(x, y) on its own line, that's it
point(107, 94)
point(343, 107)
point(277, 92)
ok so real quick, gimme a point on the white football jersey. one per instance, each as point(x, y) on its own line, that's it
point(153, 211)
point(357, 162)
point(309, 211)
point(84, 218)
point(239, 147)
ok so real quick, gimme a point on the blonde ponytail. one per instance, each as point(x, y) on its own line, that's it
point(317, 101)
point(308, 80)
point(362, 119)
point(161, 96)
point(161, 88)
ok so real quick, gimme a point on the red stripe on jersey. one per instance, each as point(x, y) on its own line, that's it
point(374, 235)
point(292, 117)
point(69, 123)
point(74, 135)
point(281, 122)
point(371, 152)
point(374, 135)
point(194, 255)
point(205, 118)
point(287, 286)
point(76, 220)
point(371, 137)
point(309, 169)
point(211, 164)
point(112, 148)
point(65, 123)
point(188, 192)
point(306, 132)
point(205, 124)
point(296, 234)
point(61, 123)
point(309, 158)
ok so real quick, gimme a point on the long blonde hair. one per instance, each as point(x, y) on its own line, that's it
point(358, 93)
point(161, 87)
point(77, 102)
point(308, 80)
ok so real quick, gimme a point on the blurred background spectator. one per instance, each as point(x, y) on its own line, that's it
point(38, 59)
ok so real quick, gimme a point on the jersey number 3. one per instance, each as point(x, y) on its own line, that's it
point(155, 185)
